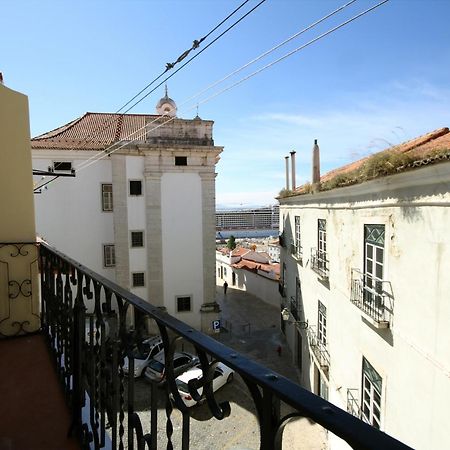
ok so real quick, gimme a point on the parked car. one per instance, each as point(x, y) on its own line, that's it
point(156, 369)
point(143, 354)
point(222, 375)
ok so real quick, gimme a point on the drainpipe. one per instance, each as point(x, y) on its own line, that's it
point(293, 169)
point(316, 167)
point(287, 172)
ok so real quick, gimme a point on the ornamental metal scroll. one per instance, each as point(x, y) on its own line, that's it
point(19, 300)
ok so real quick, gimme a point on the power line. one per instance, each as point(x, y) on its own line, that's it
point(246, 65)
point(332, 30)
point(169, 66)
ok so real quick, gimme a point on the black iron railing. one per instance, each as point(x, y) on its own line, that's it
point(374, 297)
point(320, 263)
point(352, 403)
point(85, 319)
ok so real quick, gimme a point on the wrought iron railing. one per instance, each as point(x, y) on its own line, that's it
point(320, 263)
point(319, 349)
point(297, 252)
point(294, 309)
point(92, 373)
point(352, 403)
point(372, 296)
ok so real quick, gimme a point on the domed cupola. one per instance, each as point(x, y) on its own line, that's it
point(166, 106)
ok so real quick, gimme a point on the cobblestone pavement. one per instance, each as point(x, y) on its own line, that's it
point(240, 430)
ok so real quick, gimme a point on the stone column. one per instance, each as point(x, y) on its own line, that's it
point(155, 280)
point(120, 211)
point(210, 309)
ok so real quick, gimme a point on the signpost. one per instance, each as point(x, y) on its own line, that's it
point(216, 326)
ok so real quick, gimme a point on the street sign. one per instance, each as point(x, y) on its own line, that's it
point(216, 326)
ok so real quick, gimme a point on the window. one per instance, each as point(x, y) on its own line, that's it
point(224, 271)
point(109, 255)
point(322, 238)
point(298, 242)
point(183, 304)
point(107, 197)
point(373, 266)
point(371, 395)
point(62, 166)
point(181, 160)
point(135, 187)
point(322, 324)
point(138, 279)
point(297, 300)
point(137, 238)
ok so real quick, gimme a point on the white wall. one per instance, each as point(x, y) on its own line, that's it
point(413, 354)
point(182, 238)
point(69, 213)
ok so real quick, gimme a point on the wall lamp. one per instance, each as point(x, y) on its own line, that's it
point(285, 314)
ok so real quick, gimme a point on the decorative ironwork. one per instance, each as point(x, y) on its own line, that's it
point(320, 263)
point(373, 297)
point(319, 350)
point(374, 234)
point(19, 313)
point(91, 368)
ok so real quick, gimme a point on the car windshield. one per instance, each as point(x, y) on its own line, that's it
point(182, 386)
point(141, 351)
point(156, 365)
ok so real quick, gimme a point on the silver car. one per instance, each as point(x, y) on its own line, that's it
point(143, 354)
point(156, 369)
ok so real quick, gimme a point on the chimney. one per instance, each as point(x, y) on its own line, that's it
point(316, 167)
point(1, 78)
point(293, 169)
point(287, 172)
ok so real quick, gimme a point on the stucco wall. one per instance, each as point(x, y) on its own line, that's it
point(413, 354)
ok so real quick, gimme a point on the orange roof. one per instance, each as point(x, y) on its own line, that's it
point(417, 148)
point(97, 131)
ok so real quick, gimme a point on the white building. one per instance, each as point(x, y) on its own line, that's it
point(365, 268)
point(249, 271)
point(143, 215)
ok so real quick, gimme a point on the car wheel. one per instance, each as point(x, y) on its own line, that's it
point(230, 378)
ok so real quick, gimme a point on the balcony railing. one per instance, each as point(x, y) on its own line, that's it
point(282, 289)
point(293, 307)
point(319, 350)
point(297, 252)
point(92, 373)
point(373, 297)
point(353, 407)
point(320, 263)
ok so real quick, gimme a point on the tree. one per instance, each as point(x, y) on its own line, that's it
point(231, 244)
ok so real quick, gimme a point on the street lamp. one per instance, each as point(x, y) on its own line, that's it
point(285, 314)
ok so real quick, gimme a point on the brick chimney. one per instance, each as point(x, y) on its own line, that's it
point(287, 172)
point(293, 169)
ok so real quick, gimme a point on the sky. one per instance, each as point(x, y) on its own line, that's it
point(376, 82)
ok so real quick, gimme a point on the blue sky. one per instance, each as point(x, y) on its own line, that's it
point(380, 80)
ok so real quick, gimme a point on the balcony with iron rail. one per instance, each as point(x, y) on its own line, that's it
point(319, 350)
point(373, 297)
point(353, 406)
point(90, 366)
point(297, 252)
point(320, 263)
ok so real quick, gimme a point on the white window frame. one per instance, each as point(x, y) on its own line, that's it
point(107, 198)
point(371, 395)
point(109, 255)
point(322, 323)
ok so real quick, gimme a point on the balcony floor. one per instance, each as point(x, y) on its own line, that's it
point(32, 407)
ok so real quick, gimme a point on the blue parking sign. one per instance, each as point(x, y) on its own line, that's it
point(216, 325)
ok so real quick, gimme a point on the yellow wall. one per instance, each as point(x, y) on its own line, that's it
point(16, 181)
point(19, 289)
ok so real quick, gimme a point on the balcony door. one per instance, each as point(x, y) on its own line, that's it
point(373, 266)
point(322, 244)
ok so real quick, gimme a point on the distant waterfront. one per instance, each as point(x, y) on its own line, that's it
point(225, 234)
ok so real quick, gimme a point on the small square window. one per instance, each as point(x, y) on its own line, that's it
point(183, 304)
point(138, 279)
point(137, 238)
point(62, 166)
point(181, 161)
point(109, 255)
point(135, 187)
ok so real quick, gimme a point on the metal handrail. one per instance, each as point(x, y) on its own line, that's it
point(320, 263)
point(319, 348)
point(374, 297)
point(92, 374)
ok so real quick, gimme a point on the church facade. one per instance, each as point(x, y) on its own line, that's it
point(141, 207)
